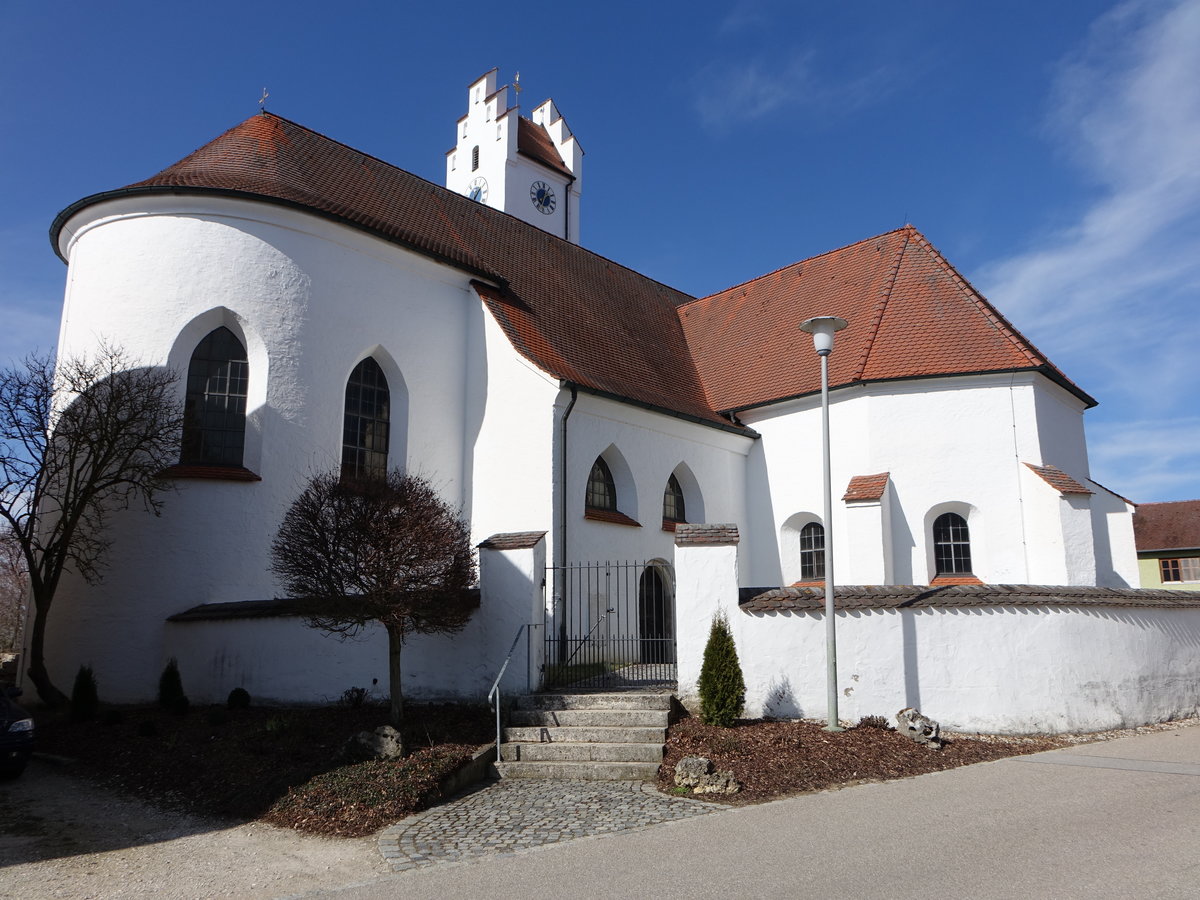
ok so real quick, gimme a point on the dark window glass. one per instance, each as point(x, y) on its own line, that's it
point(1170, 570)
point(812, 552)
point(601, 490)
point(673, 510)
point(951, 545)
point(214, 411)
point(365, 432)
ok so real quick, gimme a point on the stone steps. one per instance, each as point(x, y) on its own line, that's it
point(584, 752)
point(581, 771)
point(579, 734)
point(593, 737)
point(591, 718)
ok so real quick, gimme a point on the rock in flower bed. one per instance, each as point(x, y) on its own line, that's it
point(771, 758)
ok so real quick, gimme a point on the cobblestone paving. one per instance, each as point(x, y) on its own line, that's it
point(504, 817)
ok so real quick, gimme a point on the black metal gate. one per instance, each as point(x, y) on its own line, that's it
point(610, 626)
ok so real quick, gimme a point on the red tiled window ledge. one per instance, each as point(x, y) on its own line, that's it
point(954, 579)
point(211, 473)
point(609, 515)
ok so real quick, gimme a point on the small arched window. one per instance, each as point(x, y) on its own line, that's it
point(214, 409)
point(474, 157)
point(673, 509)
point(951, 545)
point(601, 489)
point(812, 552)
point(367, 422)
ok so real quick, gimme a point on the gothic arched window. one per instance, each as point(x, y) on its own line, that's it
point(367, 422)
point(673, 509)
point(214, 410)
point(951, 545)
point(812, 552)
point(601, 489)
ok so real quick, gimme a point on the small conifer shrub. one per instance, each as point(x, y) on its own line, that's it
point(170, 689)
point(879, 722)
point(722, 688)
point(85, 701)
point(239, 698)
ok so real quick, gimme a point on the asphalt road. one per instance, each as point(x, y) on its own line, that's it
point(1115, 819)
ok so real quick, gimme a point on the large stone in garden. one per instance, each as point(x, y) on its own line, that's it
point(696, 772)
point(921, 729)
point(382, 743)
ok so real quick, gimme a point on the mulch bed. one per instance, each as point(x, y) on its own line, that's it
point(776, 758)
point(281, 765)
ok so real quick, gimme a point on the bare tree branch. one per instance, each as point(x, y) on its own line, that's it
point(386, 550)
point(79, 442)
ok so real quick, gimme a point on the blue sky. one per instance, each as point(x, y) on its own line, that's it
point(1050, 150)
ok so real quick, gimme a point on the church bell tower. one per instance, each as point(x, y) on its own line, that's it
point(528, 167)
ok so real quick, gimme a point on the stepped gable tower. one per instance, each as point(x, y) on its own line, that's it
point(528, 167)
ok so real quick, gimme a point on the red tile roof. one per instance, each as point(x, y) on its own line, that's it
point(606, 328)
point(514, 540)
point(1167, 526)
point(866, 487)
point(812, 599)
point(1059, 480)
point(534, 141)
point(910, 313)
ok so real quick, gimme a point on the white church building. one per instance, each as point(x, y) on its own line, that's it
point(327, 309)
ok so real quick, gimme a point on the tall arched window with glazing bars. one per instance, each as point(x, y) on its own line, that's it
point(214, 409)
point(951, 545)
point(367, 422)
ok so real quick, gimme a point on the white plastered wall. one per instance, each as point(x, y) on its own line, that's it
point(311, 298)
point(994, 669)
point(652, 446)
point(947, 443)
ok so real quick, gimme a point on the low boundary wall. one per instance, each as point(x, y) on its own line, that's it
point(991, 658)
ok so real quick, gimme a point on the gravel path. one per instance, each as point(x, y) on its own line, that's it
point(63, 837)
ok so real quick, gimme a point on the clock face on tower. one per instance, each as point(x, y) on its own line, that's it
point(477, 189)
point(542, 196)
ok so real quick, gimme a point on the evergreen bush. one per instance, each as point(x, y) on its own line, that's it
point(239, 698)
point(170, 688)
point(722, 688)
point(85, 701)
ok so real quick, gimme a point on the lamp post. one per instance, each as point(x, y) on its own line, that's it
point(822, 329)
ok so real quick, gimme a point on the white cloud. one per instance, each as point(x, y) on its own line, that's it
point(1147, 460)
point(1114, 297)
point(733, 93)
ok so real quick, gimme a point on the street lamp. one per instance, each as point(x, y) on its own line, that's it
point(822, 329)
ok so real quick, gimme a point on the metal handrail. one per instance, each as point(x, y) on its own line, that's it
point(494, 694)
point(587, 637)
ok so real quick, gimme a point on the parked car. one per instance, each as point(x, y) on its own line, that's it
point(16, 735)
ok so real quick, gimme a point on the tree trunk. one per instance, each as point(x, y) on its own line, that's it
point(396, 718)
point(50, 695)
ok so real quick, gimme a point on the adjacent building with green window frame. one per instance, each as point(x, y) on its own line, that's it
point(1168, 544)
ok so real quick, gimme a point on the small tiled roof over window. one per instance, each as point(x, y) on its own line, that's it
point(866, 487)
point(596, 324)
point(1167, 526)
point(1059, 480)
point(812, 599)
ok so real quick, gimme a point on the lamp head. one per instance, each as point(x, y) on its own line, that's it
point(822, 329)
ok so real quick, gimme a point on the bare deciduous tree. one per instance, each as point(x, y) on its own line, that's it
point(386, 550)
point(78, 441)
point(14, 591)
